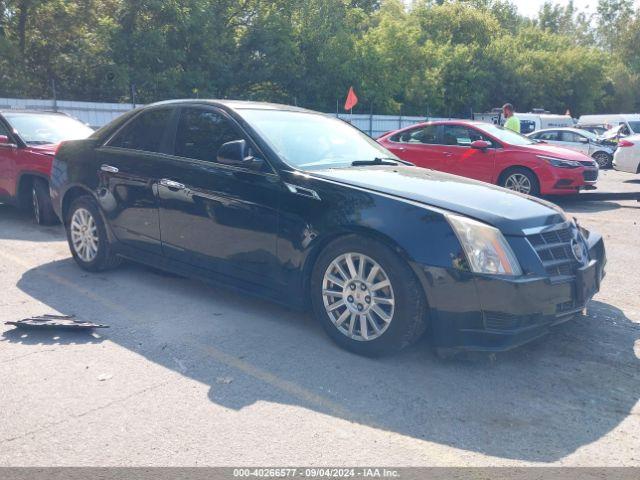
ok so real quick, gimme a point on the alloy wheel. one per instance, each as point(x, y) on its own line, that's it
point(518, 182)
point(84, 234)
point(358, 296)
point(602, 159)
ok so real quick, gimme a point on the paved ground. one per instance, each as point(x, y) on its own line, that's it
point(191, 375)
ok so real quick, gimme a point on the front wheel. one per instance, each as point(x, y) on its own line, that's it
point(43, 213)
point(87, 236)
point(520, 180)
point(366, 297)
point(603, 159)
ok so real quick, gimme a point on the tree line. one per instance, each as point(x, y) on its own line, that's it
point(429, 57)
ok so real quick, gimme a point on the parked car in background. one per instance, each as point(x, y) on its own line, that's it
point(598, 129)
point(529, 122)
point(493, 154)
point(28, 141)
point(627, 156)
point(613, 135)
point(236, 193)
point(579, 140)
point(630, 122)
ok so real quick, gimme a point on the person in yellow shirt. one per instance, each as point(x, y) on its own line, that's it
point(512, 122)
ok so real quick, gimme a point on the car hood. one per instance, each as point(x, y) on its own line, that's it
point(509, 211)
point(559, 152)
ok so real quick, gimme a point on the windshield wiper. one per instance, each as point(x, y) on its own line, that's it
point(380, 161)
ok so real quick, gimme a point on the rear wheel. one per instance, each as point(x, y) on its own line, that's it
point(43, 213)
point(603, 159)
point(520, 180)
point(87, 236)
point(366, 297)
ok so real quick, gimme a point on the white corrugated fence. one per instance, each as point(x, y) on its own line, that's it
point(98, 114)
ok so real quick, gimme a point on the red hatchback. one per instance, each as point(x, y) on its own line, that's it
point(492, 154)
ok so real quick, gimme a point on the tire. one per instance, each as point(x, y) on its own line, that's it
point(43, 213)
point(84, 212)
point(406, 314)
point(520, 176)
point(603, 159)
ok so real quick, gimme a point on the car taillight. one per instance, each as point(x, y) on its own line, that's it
point(625, 143)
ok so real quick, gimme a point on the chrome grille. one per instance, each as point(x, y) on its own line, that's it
point(554, 249)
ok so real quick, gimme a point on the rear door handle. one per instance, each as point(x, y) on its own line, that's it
point(109, 169)
point(448, 154)
point(165, 182)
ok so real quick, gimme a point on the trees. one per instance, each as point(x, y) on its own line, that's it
point(438, 57)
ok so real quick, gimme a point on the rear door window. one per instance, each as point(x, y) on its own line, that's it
point(427, 135)
point(146, 132)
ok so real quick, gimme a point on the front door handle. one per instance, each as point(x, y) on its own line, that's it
point(109, 168)
point(165, 182)
point(448, 154)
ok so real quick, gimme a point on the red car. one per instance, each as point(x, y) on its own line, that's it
point(28, 141)
point(492, 154)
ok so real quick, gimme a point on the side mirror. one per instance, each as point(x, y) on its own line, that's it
point(236, 153)
point(4, 140)
point(583, 140)
point(480, 144)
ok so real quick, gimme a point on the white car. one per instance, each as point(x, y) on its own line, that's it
point(630, 122)
point(627, 156)
point(582, 141)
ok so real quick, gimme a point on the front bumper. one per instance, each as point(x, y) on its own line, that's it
point(489, 313)
point(568, 181)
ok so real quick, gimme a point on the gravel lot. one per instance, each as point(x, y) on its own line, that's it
point(193, 375)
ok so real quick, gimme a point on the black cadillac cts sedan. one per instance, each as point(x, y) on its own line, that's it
point(304, 209)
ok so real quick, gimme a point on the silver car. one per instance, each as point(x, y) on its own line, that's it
point(582, 141)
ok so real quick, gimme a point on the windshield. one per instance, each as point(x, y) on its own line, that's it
point(588, 134)
point(504, 135)
point(40, 129)
point(313, 141)
point(635, 126)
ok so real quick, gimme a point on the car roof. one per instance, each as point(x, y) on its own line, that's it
point(562, 129)
point(452, 121)
point(233, 104)
point(31, 112)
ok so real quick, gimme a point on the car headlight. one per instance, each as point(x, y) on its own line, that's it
point(560, 163)
point(583, 231)
point(485, 247)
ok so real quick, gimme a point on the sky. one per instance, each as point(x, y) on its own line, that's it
point(530, 8)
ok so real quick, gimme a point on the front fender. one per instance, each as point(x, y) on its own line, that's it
point(418, 233)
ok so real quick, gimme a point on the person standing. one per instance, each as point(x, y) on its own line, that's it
point(512, 122)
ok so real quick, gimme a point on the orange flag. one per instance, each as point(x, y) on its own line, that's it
point(352, 99)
